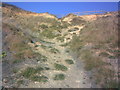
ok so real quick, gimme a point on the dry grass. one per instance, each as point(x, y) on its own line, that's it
point(99, 35)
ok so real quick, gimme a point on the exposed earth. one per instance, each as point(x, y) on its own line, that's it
point(42, 51)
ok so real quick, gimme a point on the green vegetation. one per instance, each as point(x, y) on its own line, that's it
point(37, 45)
point(100, 35)
point(30, 71)
point(44, 47)
point(64, 45)
point(69, 61)
point(46, 68)
point(46, 42)
point(43, 26)
point(15, 70)
point(53, 31)
point(43, 41)
point(20, 82)
point(117, 51)
point(4, 54)
point(67, 51)
point(50, 49)
point(74, 29)
point(39, 69)
point(60, 38)
point(60, 67)
point(17, 61)
point(112, 57)
point(104, 54)
point(40, 57)
point(54, 50)
point(76, 44)
point(59, 77)
point(39, 78)
point(49, 33)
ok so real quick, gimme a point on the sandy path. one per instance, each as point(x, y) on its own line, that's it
point(75, 75)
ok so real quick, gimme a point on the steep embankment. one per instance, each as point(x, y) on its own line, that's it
point(97, 47)
point(41, 51)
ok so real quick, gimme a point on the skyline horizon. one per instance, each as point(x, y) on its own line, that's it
point(54, 10)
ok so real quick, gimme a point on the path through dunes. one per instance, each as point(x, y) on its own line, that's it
point(75, 75)
point(43, 51)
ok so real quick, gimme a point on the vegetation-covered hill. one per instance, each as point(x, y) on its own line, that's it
point(40, 50)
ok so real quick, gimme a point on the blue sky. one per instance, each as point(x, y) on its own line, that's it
point(63, 8)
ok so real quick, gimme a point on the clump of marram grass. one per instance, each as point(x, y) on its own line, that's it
point(42, 78)
point(19, 82)
point(64, 45)
point(54, 50)
point(4, 54)
point(67, 51)
point(50, 49)
point(17, 61)
point(44, 47)
point(112, 57)
point(69, 61)
point(48, 33)
point(43, 26)
point(41, 58)
point(46, 68)
point(104, 54)
point(60, 38)
point(30, 73)
point(15, 70)
point(59, 77)
point(60, 67)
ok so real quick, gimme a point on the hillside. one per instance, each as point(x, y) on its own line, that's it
point(42, 51)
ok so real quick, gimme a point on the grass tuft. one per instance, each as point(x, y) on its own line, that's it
point(39, 78)
point(69, 61)
point(30, 71)
point(59, 77)
point(54, 50)
point(17, 61)
point(60, 67)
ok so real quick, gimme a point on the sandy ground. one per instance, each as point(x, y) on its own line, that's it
point(76, 76)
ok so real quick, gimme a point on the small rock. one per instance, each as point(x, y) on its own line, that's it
point(83, 82)
point(5, 80)
point(36, 82)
